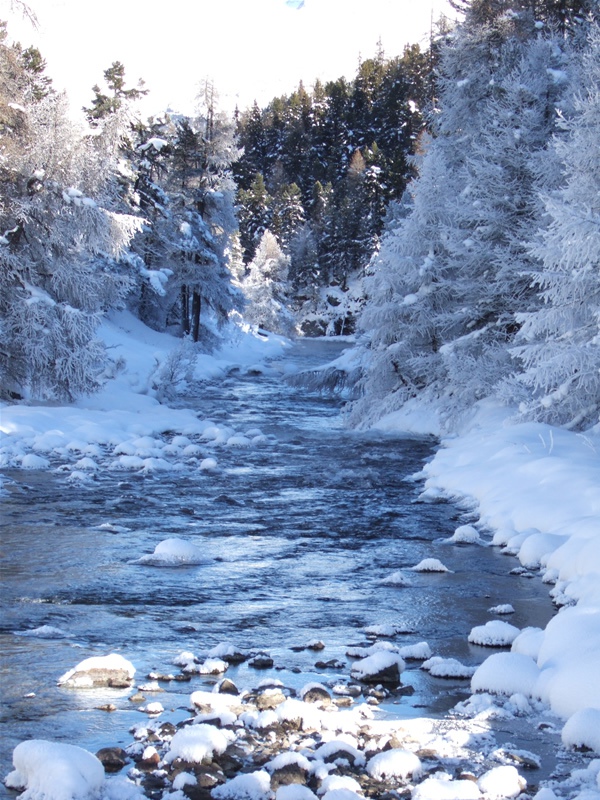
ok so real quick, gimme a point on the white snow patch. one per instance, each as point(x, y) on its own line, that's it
point(430, 565)
point(395, 763)
point(503, 781)
point(173, 552)
point(55, 771)
point(506, 673)
point(494, 633)
point(197, 742)
point(582, 729)
point(252, 786)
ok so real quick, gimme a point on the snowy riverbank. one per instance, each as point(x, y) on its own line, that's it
point(532, 490)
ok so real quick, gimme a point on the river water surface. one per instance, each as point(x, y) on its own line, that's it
point(298, 534)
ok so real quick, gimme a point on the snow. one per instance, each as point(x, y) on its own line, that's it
point(55, 771)
point(395, 763)
point(506, 673)
point(583, 730)
point(537, 489)
point(253, 786)
point(503, 781)
point(114, 661)
point(444, 788)
point(430, 565)
point(494, 633)
point(173, 552)
point(447, 668)
point(373, 664)
point(197, 742)
point(124, 426)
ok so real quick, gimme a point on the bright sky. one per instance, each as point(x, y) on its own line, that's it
point(251, 49)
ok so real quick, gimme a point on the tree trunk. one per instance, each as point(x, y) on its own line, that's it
point(196, 306)
point(185, 310)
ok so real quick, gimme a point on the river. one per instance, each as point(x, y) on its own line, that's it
point(298, 534)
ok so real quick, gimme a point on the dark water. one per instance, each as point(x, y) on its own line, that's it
point(297, 534)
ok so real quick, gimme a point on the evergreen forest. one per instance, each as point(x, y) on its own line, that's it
point(443, 206)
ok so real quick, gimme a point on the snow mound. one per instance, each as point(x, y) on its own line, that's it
point(396, 579)
point(494, 634)
point(444, 788)
point(382, 666)
point(335, 783)
point(504, 608)
point(528, 642)
point(253, 786)
point(447, 668)
point(503, 781)
point(465, 534)
point(285, 759)
point(381, 630)
point(55, 771)
point(197, 742)
point(415, 652)
point(173, 553)
point(583, 729)
point(341, 749)
point(430, 565)
point(111, 670)
point(396, 763)
point(506, 673)
point(295, 791)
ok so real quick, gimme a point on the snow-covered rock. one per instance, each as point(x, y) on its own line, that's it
point(494, 633)
point(112, 670)
point(395, 763)
point(381, 667)
point(197, 742)
point(500, 782)
point(173, 552)
point(430, 565)
point(55, 771)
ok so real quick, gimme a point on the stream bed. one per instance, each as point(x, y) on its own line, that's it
point(299, 533)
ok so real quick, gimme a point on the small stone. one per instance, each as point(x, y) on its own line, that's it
point(107, 707)
point(315, 644)
point(261, 661)
point(113, 759)
point(331, 664)
point(317, 694)
point(227, 686)
point(343, 702)
point(271, 698)
point(288, 775)
point(138, 697)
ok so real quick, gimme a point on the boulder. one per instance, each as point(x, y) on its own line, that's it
point(113, 671)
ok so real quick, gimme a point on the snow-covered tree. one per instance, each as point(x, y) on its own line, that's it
point(559, 344)
point(60, 244)
point(265, 288)
point(445, 287)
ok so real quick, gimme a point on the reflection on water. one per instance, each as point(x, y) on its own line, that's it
point(297, 533)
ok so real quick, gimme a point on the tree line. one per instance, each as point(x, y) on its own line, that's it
point(488, 284)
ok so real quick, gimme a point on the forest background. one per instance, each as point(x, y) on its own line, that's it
point(443, 205)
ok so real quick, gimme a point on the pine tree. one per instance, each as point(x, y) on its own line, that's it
point(265, 288)
point(558, 343)
point(61, 242)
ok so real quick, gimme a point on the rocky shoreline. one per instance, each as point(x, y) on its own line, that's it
point(322, 740)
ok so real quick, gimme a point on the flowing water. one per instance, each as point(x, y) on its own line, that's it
point(297, 535)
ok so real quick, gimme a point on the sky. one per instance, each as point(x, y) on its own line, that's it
point(250, 49)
